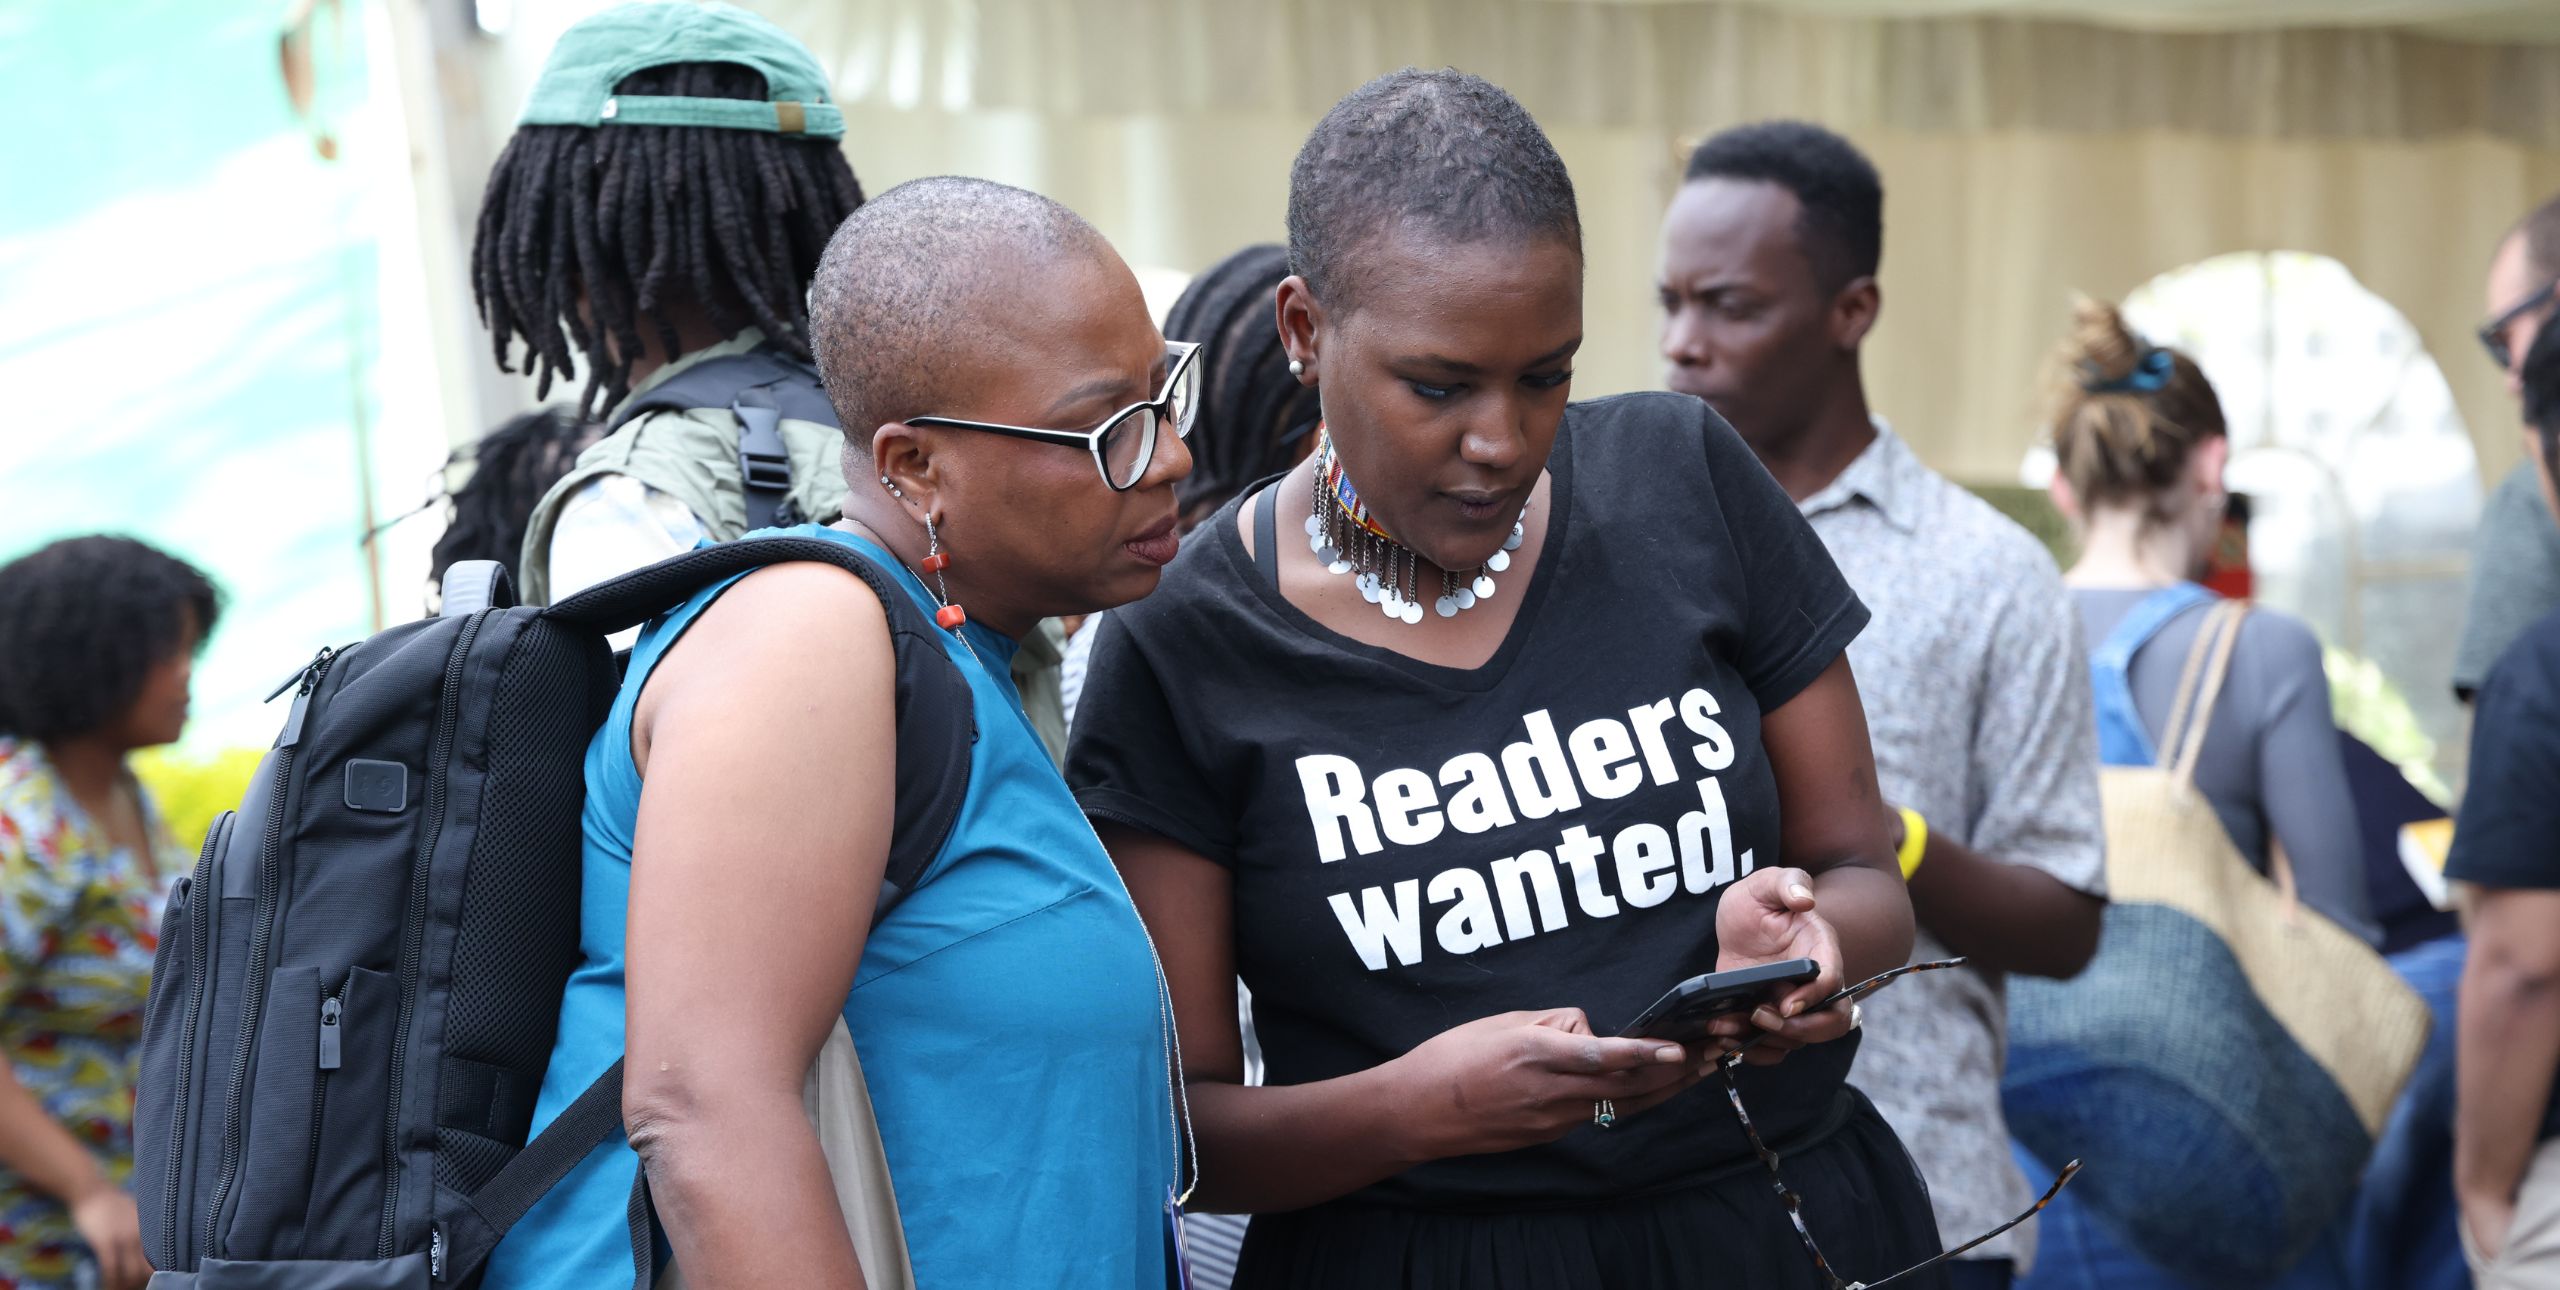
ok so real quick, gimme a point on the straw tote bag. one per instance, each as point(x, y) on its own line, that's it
point(839, 1106)
point(2225, 1061)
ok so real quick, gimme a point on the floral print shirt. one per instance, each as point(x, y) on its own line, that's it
point(79, 920)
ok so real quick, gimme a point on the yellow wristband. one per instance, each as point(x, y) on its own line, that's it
point(1915, 841)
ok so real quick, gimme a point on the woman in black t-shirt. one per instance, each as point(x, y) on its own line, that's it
point(1462, 766)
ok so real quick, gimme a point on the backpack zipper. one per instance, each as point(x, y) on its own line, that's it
point(413, 943)
point(332, 1019)
point(199, 934)
point(261, 942)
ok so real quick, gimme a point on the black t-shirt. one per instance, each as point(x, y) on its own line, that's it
point(2508, 834)
point(1417, 846)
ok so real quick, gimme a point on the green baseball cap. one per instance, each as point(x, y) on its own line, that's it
point(576, 85)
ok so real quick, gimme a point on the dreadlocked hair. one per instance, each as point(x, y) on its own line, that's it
point(511, 468)
point(1254, 417)
point(642, 218)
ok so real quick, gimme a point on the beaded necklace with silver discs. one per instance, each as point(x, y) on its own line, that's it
point(1347, 541)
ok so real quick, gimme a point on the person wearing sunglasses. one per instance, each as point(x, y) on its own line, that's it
point(2507, 1104)
point(2515, 553)
point(1468, 737)
point(1014, 434)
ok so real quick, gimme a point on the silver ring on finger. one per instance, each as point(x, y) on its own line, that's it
point(1604, 1113)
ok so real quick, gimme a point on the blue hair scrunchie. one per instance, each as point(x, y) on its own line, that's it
point(2147, 376)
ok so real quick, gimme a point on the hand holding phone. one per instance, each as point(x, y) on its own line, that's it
point(1768, 916)
point(1683, 1012)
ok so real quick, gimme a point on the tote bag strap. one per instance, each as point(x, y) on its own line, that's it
point(2280, 868)
point(2200, 689)
point(2172, 732)
point(2208, 666)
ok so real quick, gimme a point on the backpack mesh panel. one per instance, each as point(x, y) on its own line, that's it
point(518, 939)
point(464, 1158)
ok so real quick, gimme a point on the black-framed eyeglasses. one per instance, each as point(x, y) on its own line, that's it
point(2493, 333)
point(1124, 445)
point(1794, 1204)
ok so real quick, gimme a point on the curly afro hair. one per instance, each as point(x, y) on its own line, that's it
point(82, 624)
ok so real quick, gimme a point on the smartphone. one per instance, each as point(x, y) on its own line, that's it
point(1682, 1013)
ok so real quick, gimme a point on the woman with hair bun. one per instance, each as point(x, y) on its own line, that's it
point(2140, 444)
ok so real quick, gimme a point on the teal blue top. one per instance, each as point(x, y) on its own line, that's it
point(1006, 1013)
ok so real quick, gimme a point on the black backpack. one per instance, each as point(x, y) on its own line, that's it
point(357, 990)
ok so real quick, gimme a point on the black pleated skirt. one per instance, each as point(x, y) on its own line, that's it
point(1863, 1200)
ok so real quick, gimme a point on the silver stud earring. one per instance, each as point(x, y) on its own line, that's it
point(1297, 368)
point(894, 490)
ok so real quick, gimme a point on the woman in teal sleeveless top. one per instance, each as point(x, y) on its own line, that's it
point(1008, 1012)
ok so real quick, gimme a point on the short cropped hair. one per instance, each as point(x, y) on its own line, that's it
point(1443, 153)
point(1842, 225)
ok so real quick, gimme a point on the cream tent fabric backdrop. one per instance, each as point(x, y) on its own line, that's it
point(2475, 19)
point(2024, 157)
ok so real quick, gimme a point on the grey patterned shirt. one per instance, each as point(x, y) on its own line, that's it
point(1976, 685)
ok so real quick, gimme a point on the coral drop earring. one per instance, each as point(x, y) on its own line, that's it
point(949, 616)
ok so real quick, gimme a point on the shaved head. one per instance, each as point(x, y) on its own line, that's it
point(920, 287)
point(2541, 233)
point(987, 305)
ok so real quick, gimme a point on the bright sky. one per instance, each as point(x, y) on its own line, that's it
point(187, 311)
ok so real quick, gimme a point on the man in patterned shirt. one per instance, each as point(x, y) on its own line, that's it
point(1974, 676)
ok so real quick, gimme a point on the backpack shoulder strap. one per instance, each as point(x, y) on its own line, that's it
point(793, 386)
point(2122, 738)
point(761, 387)
point(2142, 622)
point(512, 1192)
point(937, 722)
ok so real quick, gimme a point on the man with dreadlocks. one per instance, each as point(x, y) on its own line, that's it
point(662, 205)
point(658, 215)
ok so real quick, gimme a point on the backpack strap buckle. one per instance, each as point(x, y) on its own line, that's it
point(764, 460)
